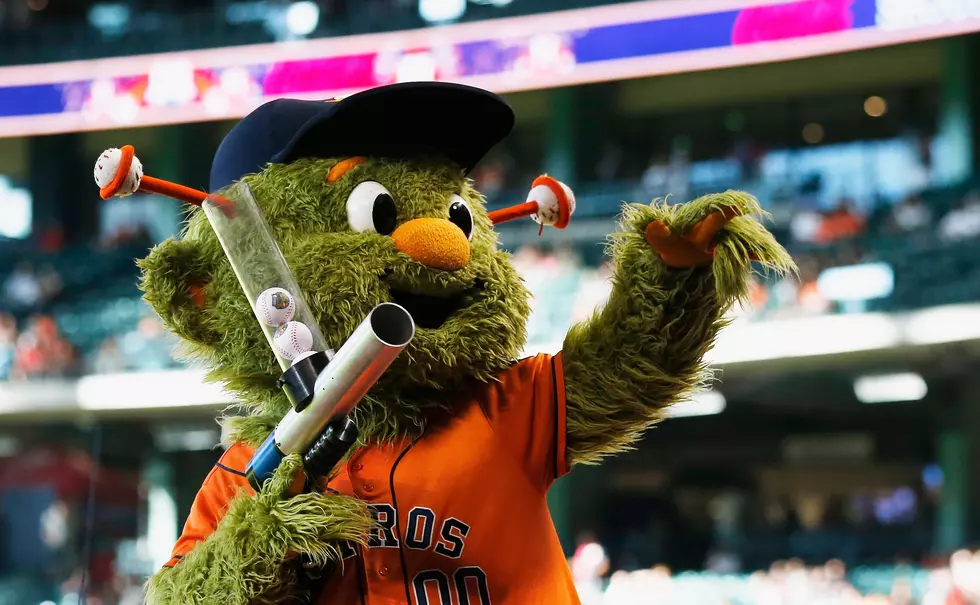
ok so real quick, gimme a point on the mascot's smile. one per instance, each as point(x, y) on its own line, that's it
point(430, 311)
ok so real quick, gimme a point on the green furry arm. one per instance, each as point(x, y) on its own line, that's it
point(244, 561)
point(643, 351)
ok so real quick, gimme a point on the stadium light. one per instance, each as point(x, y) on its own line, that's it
point(302, 17)
point(704, 403)
point(890, 388)
point(813, 133)
point(875, 106)
point(110, 19)
point(170, 81)
point(15, 210)
point(441, 11)
point(857, 282)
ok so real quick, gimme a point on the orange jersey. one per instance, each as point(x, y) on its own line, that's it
point(462, 510)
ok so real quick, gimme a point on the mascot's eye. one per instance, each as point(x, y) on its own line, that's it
point(370, 207)
point(460, 215)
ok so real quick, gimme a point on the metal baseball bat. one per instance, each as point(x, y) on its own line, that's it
point(354, 369)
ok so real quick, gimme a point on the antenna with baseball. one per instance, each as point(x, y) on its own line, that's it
point(119, 172)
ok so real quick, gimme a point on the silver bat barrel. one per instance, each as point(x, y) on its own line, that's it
point(351, 373)
point(354, 369)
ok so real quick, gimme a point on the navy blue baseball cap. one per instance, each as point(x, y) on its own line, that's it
point(456, 122)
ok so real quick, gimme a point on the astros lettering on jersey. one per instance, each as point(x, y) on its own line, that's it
point(442, 536)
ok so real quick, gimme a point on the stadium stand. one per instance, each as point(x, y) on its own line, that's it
point(98, 300)
point(91, 498)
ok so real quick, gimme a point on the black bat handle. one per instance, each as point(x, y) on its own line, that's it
point(318, 462)
point(332, 445)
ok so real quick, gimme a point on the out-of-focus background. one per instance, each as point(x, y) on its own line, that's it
point(838, 459)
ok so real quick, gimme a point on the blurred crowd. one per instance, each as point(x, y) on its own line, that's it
point(567, 288)
point(39, 350)
point(909, 217)
point(955, 581)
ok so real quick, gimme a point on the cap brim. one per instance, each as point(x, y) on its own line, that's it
point(456, 122)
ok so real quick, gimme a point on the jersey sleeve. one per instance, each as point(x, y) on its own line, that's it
point(527, 413)
point(223, 483)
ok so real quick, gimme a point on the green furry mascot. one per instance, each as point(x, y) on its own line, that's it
point(443, 500)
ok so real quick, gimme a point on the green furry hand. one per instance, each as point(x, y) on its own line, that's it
point(720, 230)
point(251, 556)
point(677, 269)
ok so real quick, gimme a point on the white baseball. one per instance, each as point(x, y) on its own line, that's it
point(570, 196)
point(549, 211)
point(547, 201)
point(107, 166)
point(292, 339)
point(275, 306)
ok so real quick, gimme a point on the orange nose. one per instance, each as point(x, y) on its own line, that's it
point(434, 242)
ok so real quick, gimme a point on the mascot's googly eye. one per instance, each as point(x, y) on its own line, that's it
point(460, 215)
point(370, 207)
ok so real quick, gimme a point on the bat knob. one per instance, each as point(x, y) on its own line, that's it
point(555, 200)
point(118, 172)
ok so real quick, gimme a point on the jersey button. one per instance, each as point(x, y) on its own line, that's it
point(383, 571)
point(356, 466)
point(368, 487)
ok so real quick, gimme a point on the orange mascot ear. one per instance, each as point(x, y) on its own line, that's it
point(197, 294)
point(343, 167)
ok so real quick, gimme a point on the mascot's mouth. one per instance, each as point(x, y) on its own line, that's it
point(431, 311)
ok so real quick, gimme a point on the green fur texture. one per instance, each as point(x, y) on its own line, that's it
point(244, 562)
point(643, 351)
point(344, 275)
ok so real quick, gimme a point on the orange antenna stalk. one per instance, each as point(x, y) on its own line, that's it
point(118, 172)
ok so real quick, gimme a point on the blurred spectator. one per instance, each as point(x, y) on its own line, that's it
point(668, 176)
point(49, 282)
point(805, 226)
point(21, 289)
point(109, 358)
point(491, 175)
point(911, 214)
point(656, 177)
point(963, 222)
point(42, 352)
point(148, 347)
point(722, 561)
point(132, 234)
point(610, 163)
point(749, 156)
point(52, 239)
point(841, 223)
point(588, 565)
point(784, 295)
point(810, 300)
point(8, 340)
